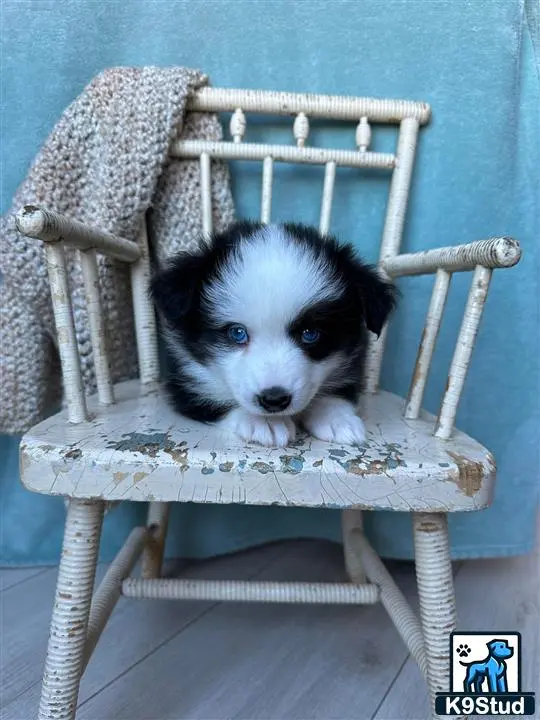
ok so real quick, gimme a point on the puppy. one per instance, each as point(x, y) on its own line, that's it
point(266, 327)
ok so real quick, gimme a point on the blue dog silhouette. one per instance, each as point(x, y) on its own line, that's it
point(492, 669)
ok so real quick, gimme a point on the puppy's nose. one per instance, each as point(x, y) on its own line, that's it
point(274, 399)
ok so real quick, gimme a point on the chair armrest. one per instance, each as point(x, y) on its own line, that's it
point(497, 252)
point(481, 257)
point(51, 227)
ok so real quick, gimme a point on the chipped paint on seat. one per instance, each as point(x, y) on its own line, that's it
point(139, 449)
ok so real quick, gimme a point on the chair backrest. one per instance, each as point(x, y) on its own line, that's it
point(480, 257)
point(360, 113)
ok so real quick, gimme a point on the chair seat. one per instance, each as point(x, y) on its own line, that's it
point(139, 449)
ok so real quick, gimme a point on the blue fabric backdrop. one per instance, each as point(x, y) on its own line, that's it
point(476, 62)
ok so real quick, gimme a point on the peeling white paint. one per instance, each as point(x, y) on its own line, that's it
point(139, 448)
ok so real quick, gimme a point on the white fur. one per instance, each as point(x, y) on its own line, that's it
point(269, 281)
point(330, 419)
point(334, 420)
point(266, 430)
point(264, 287)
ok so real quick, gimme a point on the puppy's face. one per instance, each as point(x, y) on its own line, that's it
point(273, 315)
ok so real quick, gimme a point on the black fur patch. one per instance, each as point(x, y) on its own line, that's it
point(363, 284)
point(190, 403)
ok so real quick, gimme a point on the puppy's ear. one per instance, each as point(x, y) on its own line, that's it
point(377, 296)
point(175, 287)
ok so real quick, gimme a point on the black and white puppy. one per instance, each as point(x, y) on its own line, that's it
point(266, 327)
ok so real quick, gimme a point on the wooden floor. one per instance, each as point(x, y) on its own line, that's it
point(215, 661)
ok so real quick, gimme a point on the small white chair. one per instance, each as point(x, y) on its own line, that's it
point(127, 444)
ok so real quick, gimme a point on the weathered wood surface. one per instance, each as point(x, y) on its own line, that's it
point(139, 449)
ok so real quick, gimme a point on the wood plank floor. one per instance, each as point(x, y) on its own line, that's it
point(218, 661)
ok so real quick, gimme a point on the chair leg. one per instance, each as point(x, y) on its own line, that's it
point(351, 520)
point(75, 584)
point(436, 594)
point(158, 520)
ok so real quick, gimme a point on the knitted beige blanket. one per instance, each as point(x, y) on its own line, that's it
point(105, 163)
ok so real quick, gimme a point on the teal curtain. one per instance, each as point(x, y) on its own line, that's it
point(476, 62)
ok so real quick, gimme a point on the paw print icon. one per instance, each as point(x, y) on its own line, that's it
point(463, 651)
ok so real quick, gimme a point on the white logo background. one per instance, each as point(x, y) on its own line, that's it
point(479, 652)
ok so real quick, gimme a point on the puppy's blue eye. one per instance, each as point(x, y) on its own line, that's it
point(310, 336)
point(238, 334)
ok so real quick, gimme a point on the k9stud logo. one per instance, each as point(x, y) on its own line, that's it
point(485, 676)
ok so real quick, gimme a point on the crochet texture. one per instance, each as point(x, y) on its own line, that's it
point(106, 163)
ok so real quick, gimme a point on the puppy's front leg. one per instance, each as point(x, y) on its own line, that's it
point(335, 420)
point(263, 429)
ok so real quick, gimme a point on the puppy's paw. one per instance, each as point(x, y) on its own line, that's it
point(268, 431)
point(334, 420)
